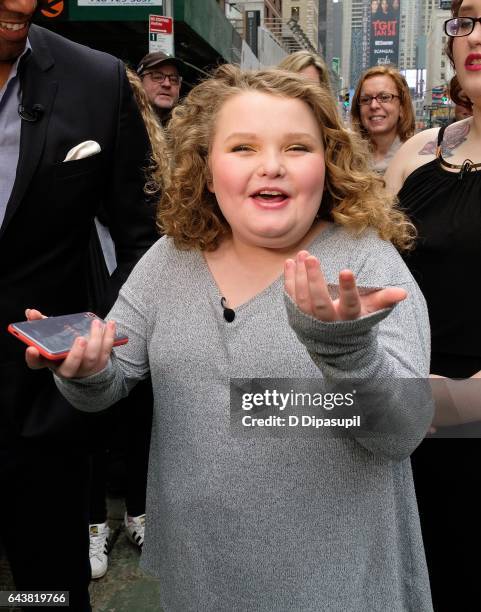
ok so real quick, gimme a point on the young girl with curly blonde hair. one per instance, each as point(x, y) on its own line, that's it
point(265, 180)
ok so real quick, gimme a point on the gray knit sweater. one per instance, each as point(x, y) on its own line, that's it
point(271, 524)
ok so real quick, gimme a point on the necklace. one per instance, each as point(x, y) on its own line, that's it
point(465, 167)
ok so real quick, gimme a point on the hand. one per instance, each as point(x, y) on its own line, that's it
point(86, 357)
point(305, 284)
point(34, 360)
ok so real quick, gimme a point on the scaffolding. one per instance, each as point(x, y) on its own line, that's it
point(287, 33)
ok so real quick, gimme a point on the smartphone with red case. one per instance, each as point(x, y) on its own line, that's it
point(53, 337)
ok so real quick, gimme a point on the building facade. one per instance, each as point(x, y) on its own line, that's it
point(408, 34)
point(306, 14)
point(273, 29)
point(439, 70)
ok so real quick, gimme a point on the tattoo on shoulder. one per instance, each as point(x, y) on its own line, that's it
point(429, 148)
point(454, 136)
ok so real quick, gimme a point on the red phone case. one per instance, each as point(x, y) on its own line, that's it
point(66, 320)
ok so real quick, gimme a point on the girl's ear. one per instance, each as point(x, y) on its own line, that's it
point(209, 179)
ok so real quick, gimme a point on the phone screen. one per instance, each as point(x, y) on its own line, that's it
point(56, 335)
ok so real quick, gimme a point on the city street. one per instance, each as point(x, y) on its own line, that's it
point(214, 212)
point(125, 588)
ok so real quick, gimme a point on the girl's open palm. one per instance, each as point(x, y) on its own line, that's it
point(305, 284)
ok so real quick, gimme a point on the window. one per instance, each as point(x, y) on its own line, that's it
point(295, 13)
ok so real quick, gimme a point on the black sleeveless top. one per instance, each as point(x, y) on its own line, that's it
point(445, 207)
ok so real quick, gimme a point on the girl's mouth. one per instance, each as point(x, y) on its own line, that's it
point(270, 198)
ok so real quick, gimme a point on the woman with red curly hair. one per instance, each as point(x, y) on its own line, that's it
point(437, 176)
point(382, 113)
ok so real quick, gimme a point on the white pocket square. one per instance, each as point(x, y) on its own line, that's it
point(82, 150)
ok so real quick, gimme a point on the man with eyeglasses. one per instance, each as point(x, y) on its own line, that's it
point(161, 81)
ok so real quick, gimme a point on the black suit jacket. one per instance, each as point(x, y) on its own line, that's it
point(44, 239)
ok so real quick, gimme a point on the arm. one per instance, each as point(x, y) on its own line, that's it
point(457, 401)
point(90, 377)
point(366, 339)
point(93, 376)
point(415, 152)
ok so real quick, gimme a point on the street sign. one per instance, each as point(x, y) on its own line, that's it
point(161, 34)
point(111, 10)
point(120, 2)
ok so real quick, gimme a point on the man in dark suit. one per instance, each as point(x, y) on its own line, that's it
point(54, 96)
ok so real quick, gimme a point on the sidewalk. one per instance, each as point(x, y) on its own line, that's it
point(125, 588)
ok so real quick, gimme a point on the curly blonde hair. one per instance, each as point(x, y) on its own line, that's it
point(354, 196)
point(157, 172)
point(300, 60)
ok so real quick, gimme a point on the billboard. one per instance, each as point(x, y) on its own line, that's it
point(439, 95)
point(385, 23)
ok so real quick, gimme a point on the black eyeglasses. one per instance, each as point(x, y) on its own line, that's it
point(382, 98)
point(460, 26)
point(159, 77)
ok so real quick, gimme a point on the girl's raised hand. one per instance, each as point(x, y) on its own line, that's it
point(305, 284)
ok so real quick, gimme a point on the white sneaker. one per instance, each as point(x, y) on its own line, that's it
point(135, 529)
point(99, 548)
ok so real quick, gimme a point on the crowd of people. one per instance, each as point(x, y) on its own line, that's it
point(292, 246)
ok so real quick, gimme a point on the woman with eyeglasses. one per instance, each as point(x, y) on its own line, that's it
point(438, 180)
point(382, 113)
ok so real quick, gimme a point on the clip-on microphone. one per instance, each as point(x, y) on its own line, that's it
point(229, 314)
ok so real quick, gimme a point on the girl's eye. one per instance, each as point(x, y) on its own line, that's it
point(297, 148)
point(242, 148)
